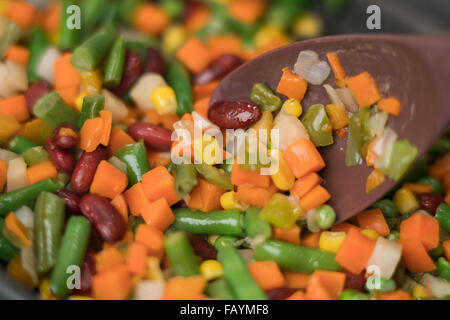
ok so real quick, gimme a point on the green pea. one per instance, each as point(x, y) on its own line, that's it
point(325, 216)
point(444, 268)
point(434, 183)
point(393, 236)
point(380, 284)
point(437, 252)
point(350, 294)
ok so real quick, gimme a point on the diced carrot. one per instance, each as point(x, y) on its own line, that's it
point(395, 295)
point(158, 158)
point(202, 106)
point(91, 134)
point(440, 167)
point(224, 44)
point(338, 115)
point(18, 54)
point(185, 288)
point(159, 183)
point(204, 90)
point(41, 171)
point(69, 95)
point(52, 18)
point(120, 204)
point(291, 234)
point(255, 196)
point(108, 181)
point(316, 290)
point(108, 258)
point(65, 74)
point(297, 295)
point(372, 156)
point(152, 238)
point(253, 178)
point(355, 245)
point(302, 158)
point(21, 13)
point(168, 120)
point(314, 198)
point(390, 105)
point(197, 18)
point(3, 171)
point(194, 55)
point(118, 139)
point(136, 199)
point(267, 274)
point(364, 89)
point(150, 19)
point(106, 117)
point(205, 196)
point(247, 11)
point(446, 181)
point(16, 107)
point(421, 227)
point(296, 280)
point(114, 284)
point(292, 85)
point(332, 281)
point(311, 239)
point(187, 117)
point(130, 118)
point(158, 214)
point(336, 66)
point(373, 219)
point(446, 246)
point(415, 256)
point(137, 258)
point(418, 188)
point(341, 132)
point(16, 227)
point(375, 178)
point(305, 184)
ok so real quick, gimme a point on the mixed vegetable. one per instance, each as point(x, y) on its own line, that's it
point(95, 203)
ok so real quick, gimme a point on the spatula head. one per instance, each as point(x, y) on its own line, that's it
point(401, 67)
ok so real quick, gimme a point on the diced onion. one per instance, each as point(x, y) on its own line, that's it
point(377, 122)
point(310, 68)
point(46, 67)
point(142, 91)
point(438, 287)
point(383, 148)
point(311, 221)
point(17, 76)
point(332, 94)
point(116, 162)
point(204, 124)
point(27, 259)
point(6, 156)
point(6, 89)
point(115, 105)
point(149, 290)
point(385, 256)
point(289, 129)
point(347, 99)
point(26, 216)
point(16, 175)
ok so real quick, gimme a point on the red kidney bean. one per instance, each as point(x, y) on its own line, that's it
point(218, 69)
point(190, 9)
point(35, 92)
point(155, 62)
point(85, 170)
point(104, 217)
point(66, 141)
point(429, 202)
point(281, 293)
point(131, 72)
point(234, 114)
point(87, 272)
point(62, 159)
point(202, 247)
point(355, 281)
point(153, 136)
point(72, 201)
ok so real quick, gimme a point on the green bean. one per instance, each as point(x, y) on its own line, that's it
point(214, 175)
point(443, 216)
point(226, 222)
point(71, 253)
point(92, 12)
point(48, 226)
point(89, 54)
point(325, 217)
point(69, 35)
point(135, 157)
point(19, 144)
point(294, 257)
point(436, 187)
point(7, 249)
point(444, 268)
point(37, 44)
point(360, 131)
point(35, 155)
point(181, 255)
point(225, 241)
point(54, 111)
point(219, 289)
point(115, 64)
point(92, 105)
point(15, 199)
point(178, 78)
point(185, 178)
point(237, 275)
point(380, 284)
point(394, 236)
point(265, 98)
point(389, 210)
point(350, 294)
point(255, 226)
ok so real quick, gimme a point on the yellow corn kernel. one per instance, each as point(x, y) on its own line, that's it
point(36, 130)
point(4, 6)
point(283, 179)
point(91, 81)
point(308, 25)
point(405, 201)
point(372, 234)
point(292, 107)
point(419, 292)
point(229, 201)
point(9, 127)
point(173, 37)
point(80, 298)
point(44, 289)
point(264, 123)
point(164, 100)
point(211, 269)
point(331, 241)
point(153, 269)
point(269, 33)
point(79, 101)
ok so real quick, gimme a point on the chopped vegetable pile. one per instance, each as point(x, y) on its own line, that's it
point(103, 195)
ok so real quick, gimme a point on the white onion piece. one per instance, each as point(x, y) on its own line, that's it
point(116, 162)
point(149, 290)
point(332, 94)
point(27, 259)
point(290, 129)
point(204, 124)
point(6, 156)
point(46, 67)
point(438, 287)
point(383, 148)
point(385, 256)
point(311, 220)
point(6, 90)
point(377, 122)
point(26, 216)
point(16, 76)
point(16, 175)
point(142, 91)
point(310, 68)
point(347, 99)
point(115, 105)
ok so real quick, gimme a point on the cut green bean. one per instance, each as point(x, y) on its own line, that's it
point(219, 289)
point(255, 226)
point(135, 157)
point(178, 78)
point(37, 44)
point(265, 98)
point(92, 12)
point(7, 249)
point(19, 144)
point(54, 111)
point(35, 155)
point(185, 178)
point(214, 175)
point(10, 35)
point(226, 241)
point(92, 105)
point(433, 182)
point(181, 255)
point(115, 64)
point(380, 284)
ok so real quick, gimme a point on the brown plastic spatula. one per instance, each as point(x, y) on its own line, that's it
point(414, 69)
